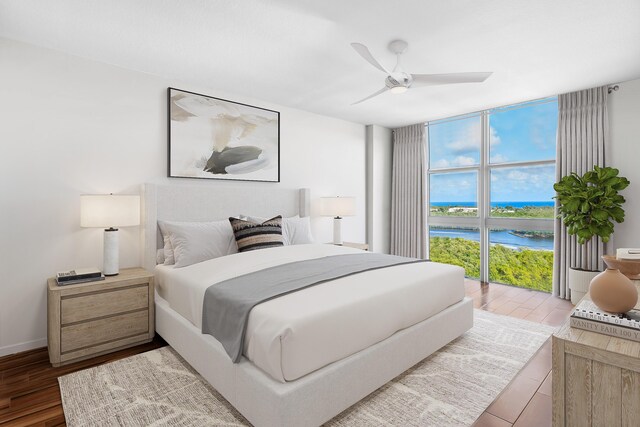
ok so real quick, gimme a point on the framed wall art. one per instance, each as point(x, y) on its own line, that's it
point(212, 138)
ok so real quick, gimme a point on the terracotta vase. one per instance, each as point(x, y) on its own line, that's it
point(612, 291)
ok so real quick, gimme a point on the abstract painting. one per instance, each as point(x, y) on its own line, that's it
point(213, 138)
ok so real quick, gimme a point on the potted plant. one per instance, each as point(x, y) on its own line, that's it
point(588, 205)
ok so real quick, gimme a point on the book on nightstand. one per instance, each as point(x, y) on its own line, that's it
point(79, 275)
point(589, 317)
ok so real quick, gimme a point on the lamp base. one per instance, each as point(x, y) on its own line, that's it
point(337, 231)
point(110, 265)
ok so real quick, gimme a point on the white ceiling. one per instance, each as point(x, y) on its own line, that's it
point(297, 53)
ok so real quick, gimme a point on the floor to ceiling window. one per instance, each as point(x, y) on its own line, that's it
point(490, 186)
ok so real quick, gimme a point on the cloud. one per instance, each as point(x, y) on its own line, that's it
point(456, 162)
point(518, 175)
point(441, 164)
point(494, 138)
point(464, 146)
point(464, 184)
point(464, 161)
point(467, 139)
point(498, 158)
point(523, 180)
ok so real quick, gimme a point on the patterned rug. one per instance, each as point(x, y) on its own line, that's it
point(452, 387)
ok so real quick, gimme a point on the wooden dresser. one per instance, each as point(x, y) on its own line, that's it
point(596, 379)
point(89, 319)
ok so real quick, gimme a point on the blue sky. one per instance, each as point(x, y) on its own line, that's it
point(520, 134)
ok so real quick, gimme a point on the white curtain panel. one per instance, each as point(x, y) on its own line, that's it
point(583, 135)
point(408, 200)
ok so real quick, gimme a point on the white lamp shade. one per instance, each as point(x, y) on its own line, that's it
point(337, 206)
point(108, 210)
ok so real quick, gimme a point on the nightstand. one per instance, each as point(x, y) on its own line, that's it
point(596, 377)
point(89, 319)
point(362, 246)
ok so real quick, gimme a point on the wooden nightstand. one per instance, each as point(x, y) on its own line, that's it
point(596, 378)
point(362, 246)
point(89, 319)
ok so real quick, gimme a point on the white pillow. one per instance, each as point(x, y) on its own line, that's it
point(160, 256)
point(194, 242)
point(299, 230)
point(295, 230)
point(169, 257)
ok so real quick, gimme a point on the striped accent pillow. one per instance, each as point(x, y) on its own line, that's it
point(251, 236)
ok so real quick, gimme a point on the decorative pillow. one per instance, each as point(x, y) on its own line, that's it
point(251, 236)
point(194, 242)
point(295, 230)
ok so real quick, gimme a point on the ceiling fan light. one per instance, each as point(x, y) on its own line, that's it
point(398, 89)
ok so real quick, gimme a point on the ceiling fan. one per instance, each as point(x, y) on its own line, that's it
point(399, 81)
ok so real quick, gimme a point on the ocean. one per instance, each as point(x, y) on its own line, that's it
point(497, 204)
point(501, 237)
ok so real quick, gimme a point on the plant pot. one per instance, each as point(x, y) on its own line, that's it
point(579, 281)
point(614, 292)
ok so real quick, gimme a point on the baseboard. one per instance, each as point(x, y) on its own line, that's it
point(24, 346)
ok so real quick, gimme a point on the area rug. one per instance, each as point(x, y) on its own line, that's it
point(452, 387)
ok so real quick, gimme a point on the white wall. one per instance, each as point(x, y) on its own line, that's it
point(624, 122)
point(379, 167)
point(71, 126)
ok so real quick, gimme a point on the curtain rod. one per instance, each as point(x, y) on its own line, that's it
point(613, 88)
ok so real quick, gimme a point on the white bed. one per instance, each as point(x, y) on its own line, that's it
point(296, 334)
point(313, 353)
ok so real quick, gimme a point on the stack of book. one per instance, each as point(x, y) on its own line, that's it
point(588, 316)
point(78, 276)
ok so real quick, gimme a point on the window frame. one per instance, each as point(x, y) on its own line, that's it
point(484, 222)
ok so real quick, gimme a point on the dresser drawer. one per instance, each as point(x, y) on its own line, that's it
point(91, 333)
point(77, 308)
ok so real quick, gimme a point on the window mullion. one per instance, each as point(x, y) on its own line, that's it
point(484, 202)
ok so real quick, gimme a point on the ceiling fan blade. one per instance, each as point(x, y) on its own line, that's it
point(384, 89)
point(448, 78)
point(364, 52)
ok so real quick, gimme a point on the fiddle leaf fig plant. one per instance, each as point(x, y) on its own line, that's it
point(589, 204)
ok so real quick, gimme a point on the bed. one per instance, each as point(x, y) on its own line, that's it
point(310, 354)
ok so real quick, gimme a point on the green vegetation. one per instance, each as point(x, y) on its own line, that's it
point(525, 212)
point(526, 268)
point(502, 212)
point(452, 210)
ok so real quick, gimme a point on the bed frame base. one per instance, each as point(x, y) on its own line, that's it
point(321, 395)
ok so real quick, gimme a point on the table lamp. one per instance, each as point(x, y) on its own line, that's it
point(337, 207)
point(108, 211)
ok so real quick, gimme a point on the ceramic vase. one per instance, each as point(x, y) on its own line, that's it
point(612, 291)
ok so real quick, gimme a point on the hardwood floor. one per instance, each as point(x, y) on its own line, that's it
point(29, 393)
point(526, 401)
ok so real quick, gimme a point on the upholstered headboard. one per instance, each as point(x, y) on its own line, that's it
point(210, 202)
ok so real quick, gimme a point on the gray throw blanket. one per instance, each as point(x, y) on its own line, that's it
point(227, 304)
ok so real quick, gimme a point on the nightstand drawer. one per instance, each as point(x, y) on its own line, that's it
point(77, 308)
point(88, 334)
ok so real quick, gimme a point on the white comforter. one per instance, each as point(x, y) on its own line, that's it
point(298, 333)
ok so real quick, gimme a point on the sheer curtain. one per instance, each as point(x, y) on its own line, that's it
point(583, 134)
point(408, 199)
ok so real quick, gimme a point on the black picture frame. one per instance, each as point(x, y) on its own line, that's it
point(261, 121)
